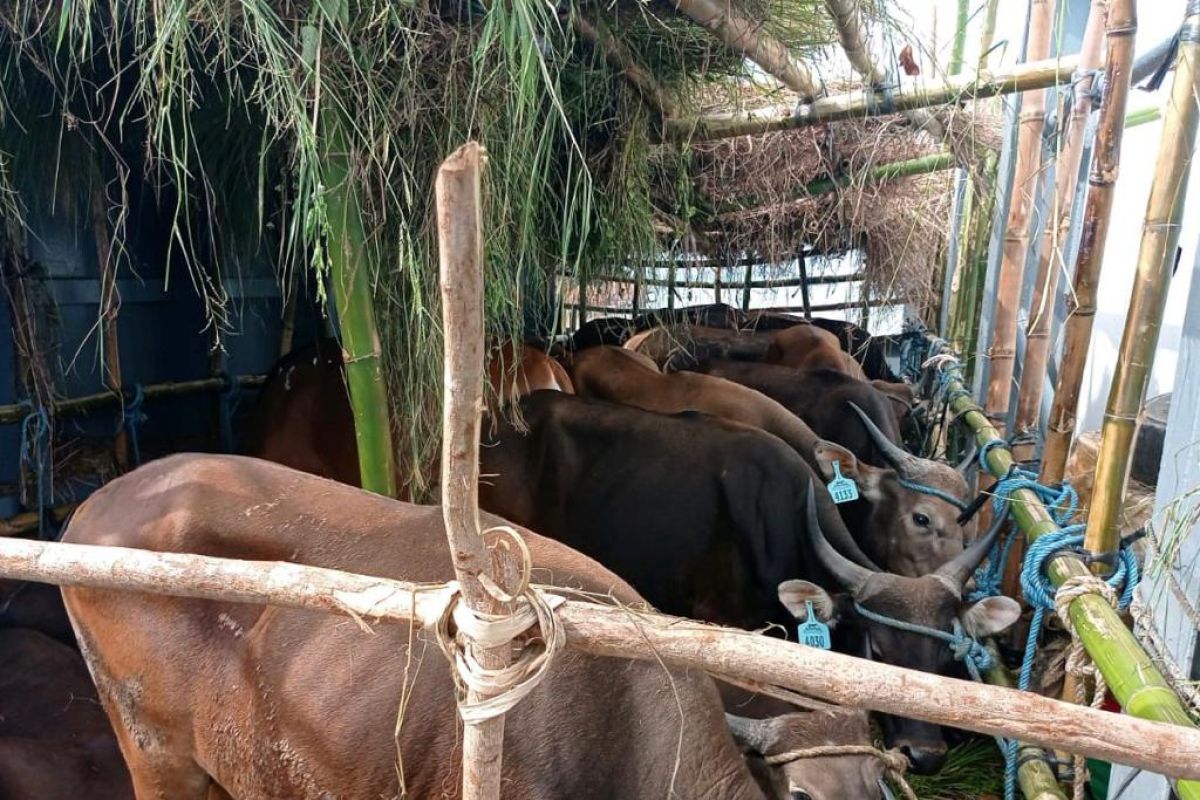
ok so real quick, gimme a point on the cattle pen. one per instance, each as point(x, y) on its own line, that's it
point(383, 243)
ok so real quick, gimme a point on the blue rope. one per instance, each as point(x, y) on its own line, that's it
point(970, 651)
point(35, 455)
point(132, 418)
point(932, 491)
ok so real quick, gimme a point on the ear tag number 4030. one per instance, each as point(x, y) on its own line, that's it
point(813, 632)
point(841, 488)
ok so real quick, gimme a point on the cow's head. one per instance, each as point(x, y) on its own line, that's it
point(778, 752)
point(933, 601)
point(914, 503)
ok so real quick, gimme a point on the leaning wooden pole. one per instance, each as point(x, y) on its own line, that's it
point(746, 36)
point(458, 189)
point(852, 33)
point(1054, 236)
point(1002, 351)
point(909, 94)
point(1156, 259)
point(1081, 302)
point(354, 296)
point(621, 632)
point(110, 307)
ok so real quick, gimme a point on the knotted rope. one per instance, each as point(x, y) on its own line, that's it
point(501, 688)
point(894, 762)
point(965, 648)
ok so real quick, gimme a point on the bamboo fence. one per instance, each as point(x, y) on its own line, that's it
point(1156, 261)
point(1081, 301)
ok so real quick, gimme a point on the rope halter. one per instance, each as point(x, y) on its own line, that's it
point(894, 762)
point(965, 648)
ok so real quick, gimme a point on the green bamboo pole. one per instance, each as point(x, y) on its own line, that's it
point(354, 298)
point(1156, 260)
point(960, 37)
point(1034, 777)
point(881, 173)
point(1142, 116)
point(1132, 677)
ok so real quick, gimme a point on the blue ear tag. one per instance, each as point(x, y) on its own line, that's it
point(813, 632)
point(841, 488)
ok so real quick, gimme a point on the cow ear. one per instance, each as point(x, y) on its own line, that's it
point(865, 476)
point(795, 595)
point(990, 616)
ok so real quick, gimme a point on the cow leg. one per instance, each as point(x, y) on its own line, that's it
point(160, 774)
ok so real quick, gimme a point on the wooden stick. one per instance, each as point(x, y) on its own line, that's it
point(621, 58)
point(626, 633)
point(78, 405)
point(1156, 261)
point(747, 37)
point(1081, 302)
point(460, 245)
point(864, 102)
point(110, 304)
point(1054, 236)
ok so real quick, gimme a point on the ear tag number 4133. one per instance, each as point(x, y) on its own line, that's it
point(813, 632)
point(841, 488)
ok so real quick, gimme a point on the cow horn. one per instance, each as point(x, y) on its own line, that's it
point(750, 734)
point(850, 575)
point(897, 457)
point(959, 568)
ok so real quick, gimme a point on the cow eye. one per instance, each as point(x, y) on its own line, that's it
point(800, 794)
point(920, 519)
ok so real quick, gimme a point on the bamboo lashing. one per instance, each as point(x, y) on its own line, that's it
point(1156, 260)
point(630, 633)
point(1056, 232)
point(1081, 301)
point(1132, 677)
point(909, 93)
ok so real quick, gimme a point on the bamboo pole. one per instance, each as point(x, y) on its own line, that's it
point(1051, 260)
point(15, 412)
point(909, 94)
point(354, 296)
point(852, 33)
point(1002, 350)
point(602, 630)
point(961, 21)
point(747, 37)
point(881, 173)
point(988, 34)
point(458, 188)
point(1132, 677)
point(1081, 302)
point(110, 306)
point(1156, 260)
point(622, 59)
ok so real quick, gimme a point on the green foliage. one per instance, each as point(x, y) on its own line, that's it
point(973, 770)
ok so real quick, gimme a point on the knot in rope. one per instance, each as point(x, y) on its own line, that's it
point(894, 762)
point(500, 688)
point(965, 648)
point(1061, 501)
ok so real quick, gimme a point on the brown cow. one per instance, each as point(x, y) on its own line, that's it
point(882, 522)
point(809, 347)
point(303, 419)
point(55, 741)
point(695, 342)
point(235, 700)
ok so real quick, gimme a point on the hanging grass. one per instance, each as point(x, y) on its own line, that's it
point(216, 106)
point(973, 771)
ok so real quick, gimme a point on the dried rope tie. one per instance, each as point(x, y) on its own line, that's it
point(894, 762)
point(503, 687)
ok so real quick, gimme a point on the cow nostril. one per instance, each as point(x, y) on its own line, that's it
point(924, 761)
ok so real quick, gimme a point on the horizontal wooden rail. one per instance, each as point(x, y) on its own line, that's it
point(781, 309)
point(733, 283)
point(151, 391)
point(622, 632)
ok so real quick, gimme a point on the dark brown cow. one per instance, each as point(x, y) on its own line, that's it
point(303, 419)
point(809, 347)
point(55, 740)
point(720, 521)
point(35, 606)
point(216, 700)
point(691, 343)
